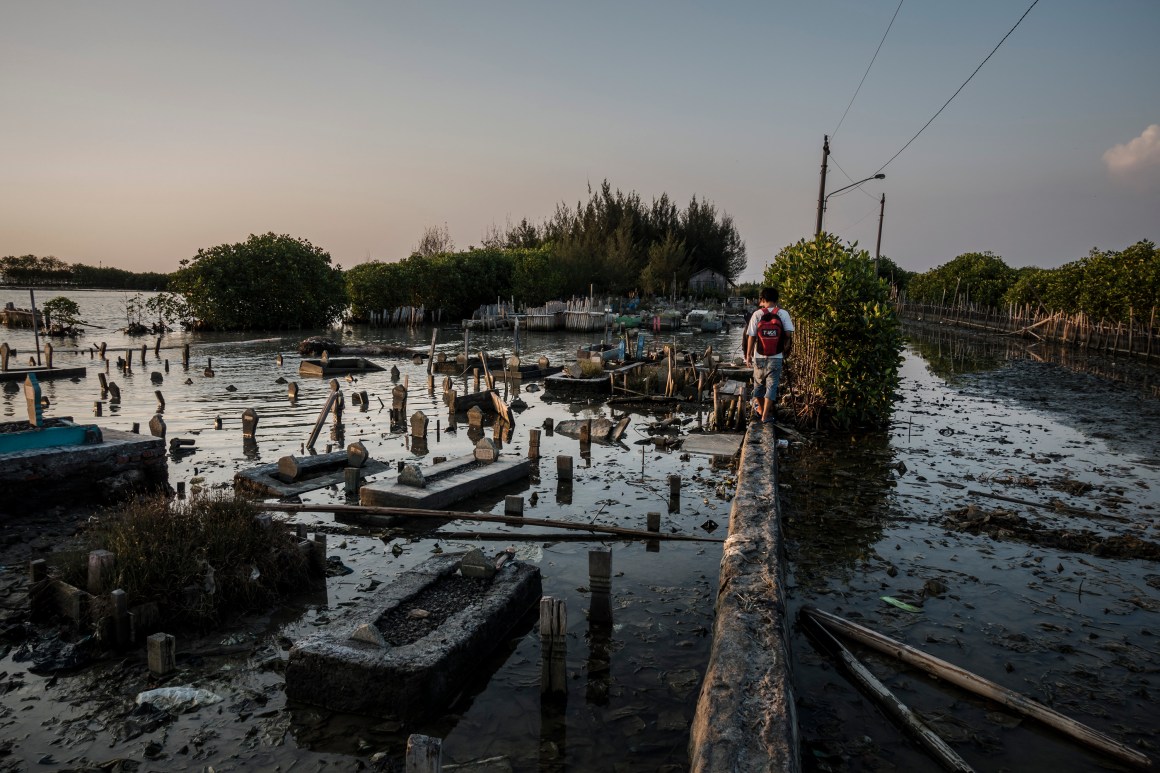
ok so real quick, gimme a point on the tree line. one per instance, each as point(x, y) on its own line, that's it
point(1104, 284)
point(51, 271)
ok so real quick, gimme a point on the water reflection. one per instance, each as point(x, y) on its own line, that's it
point(639, 673)
point(834, 495)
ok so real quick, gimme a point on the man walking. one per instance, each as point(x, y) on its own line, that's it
point(770, 339)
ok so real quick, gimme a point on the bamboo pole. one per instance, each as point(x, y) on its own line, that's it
point(880, 694)
point(1151, 327)
point(376, 516)
point(980, 686)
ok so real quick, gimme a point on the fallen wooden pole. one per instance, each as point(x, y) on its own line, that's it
point(880, 694)
point(1058, 507)
point(376, 516)
point(980, 686)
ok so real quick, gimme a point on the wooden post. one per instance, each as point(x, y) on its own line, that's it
point(424, 754)
point(600, 583)
point(533, 444)
point(553, 644)
point(476, 371)
point(513, 505)
point(351, 479)
point(653, 525)
point(47, 354)
point(674, 493)
point(160, 400)
point(184, 356)
point(157, 348)
point(653, 521)
point(161, 649)
point(119, 603)
point(37, 579)
point(100, 569)
point(564, 468)
point(318, 552)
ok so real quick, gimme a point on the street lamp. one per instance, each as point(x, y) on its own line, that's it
point(826, 198)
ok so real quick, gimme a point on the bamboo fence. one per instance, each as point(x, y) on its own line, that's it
point(1135, 338)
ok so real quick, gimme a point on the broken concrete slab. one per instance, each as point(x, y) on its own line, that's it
point(713, 444)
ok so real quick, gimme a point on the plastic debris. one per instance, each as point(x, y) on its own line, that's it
point(178, 699)
point(901, 604)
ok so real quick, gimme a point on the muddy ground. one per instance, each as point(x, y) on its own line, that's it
point(1055, 595)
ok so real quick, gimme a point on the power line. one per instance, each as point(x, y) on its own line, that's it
point(859, 188)
point(859, 221)
point(960, 88)
point(888, 26)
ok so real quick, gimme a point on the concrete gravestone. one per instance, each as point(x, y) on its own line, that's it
point(357, 454)
point(412, 475)
point(485, 451)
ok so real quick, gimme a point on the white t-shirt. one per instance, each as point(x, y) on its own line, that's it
point(751, 329)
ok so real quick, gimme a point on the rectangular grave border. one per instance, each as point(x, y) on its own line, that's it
point(417, 680)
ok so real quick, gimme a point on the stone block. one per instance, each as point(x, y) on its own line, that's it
point(357, 454)
point(370, 635)
point(412, 475)
point(485, 451)
point(476, 564)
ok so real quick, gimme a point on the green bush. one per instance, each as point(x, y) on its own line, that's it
point(1106, 285)
point(980, 277)
point(268, 281)
point(856, 342)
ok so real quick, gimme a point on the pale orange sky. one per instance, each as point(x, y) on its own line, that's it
point(137, 132)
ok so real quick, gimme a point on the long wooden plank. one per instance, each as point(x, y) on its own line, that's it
point(370, 513)
point(980, 686)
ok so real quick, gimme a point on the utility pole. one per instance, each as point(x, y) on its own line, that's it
point(822, 188)
point(878, 247)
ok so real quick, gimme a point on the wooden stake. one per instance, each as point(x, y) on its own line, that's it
point(424, 754)
point(553, 645)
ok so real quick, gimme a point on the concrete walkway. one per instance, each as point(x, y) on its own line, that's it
point(745, 714)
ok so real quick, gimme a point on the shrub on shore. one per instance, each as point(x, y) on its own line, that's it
point(215, 545)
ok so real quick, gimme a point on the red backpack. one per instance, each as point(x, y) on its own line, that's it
point(770, 333)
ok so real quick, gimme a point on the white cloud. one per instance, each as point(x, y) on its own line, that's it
point(1136, 158)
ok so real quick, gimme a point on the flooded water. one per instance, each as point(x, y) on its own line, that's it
point(884, 515)
point(867, 516)
point(632, 685)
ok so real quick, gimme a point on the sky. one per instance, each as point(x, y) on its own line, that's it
point(135, 133)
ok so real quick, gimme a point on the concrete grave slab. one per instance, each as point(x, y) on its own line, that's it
point(411, 679)
point(313, 472)
point(446, 483)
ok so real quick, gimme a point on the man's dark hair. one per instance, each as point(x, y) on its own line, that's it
point(769, 294)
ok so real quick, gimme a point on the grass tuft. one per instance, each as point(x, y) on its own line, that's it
point(202, 560)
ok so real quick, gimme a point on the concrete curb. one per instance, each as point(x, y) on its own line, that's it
point(745, 713)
